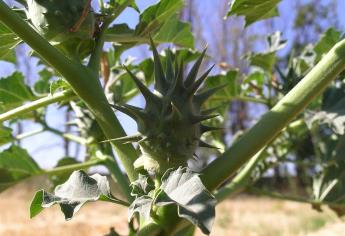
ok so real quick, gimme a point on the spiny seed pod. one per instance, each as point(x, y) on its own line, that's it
point(62, 20)
point(170, 124)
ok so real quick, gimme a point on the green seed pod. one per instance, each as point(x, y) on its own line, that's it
point(62, 20)
point(170, 124)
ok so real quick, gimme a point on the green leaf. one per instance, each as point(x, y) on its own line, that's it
point(35, 206)
point(153, 17)
point(176, 32)
point(265, 61)
point(326, 42)
point(8, 42)
point(42, 86)
point(194, 202)
point(160, 21)
point(13, 92)
point(254, 10)
point(73, 194)
point(5, 134)
point(16, 165)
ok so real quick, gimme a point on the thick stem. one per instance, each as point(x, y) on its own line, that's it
point(34, 105)
point(83, 81)
point(240, 182)
point(277, 118)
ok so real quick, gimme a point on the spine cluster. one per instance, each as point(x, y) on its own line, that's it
point(170, 123)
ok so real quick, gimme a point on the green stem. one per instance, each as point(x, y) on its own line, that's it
point(73, 167)
point(277, 118)
point(125, 38)
point(241, 98)
point(34, 105)
point(293, 198)
point(29, 134)
point(241, 180)
point(83, 80)
point(118, 176)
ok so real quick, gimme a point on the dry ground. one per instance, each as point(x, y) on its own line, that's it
point(243, 216)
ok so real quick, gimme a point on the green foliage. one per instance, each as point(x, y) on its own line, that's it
point(8, 41)
point(64, 20)
point(14, 92)
point(5, 134)
point(16, 165)
point(160, 22)
point(254, 10)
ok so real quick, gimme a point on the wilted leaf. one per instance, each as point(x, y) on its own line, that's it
point(254, 10)
point(142, 186)
point(141, 205)
point(74, 193)
point(16, 165)
point(194, 202)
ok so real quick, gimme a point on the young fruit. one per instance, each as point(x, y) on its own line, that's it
point(62, 20)
point(170, 124)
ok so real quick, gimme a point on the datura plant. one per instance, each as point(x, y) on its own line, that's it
point(164, 196)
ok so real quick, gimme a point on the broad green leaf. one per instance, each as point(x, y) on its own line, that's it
point(194, 202)
point(159, 21)
point(8, 42)
point(265, 61)
point(176, 32)
point(114, 4)
point(73, 194)
point(16, 165)
point(13, 92)
point(327, 41)
point(5, 134)
point(42, 86)
point(254, 10)
point(232, 88)
point(154, 16)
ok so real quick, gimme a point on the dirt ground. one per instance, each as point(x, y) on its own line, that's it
point(242, 216)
